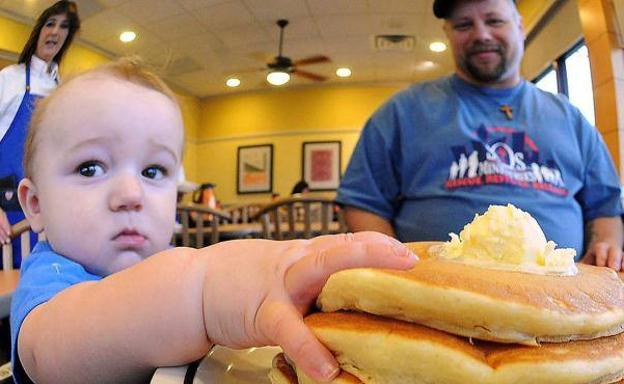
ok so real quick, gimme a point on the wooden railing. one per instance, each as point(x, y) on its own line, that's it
point(202, 215)
point(300, 217)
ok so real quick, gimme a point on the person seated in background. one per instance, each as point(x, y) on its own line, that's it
point(184, 186)
point(301, 188)
point(444, 150)
point(104, 299)
point(204, 195)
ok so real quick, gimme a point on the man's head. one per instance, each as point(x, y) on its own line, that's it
point(487, 39)
point(101, 161)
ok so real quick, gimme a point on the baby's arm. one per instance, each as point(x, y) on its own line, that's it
point(168, 309)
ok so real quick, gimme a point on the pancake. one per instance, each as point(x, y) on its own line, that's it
point(283, 373)
point(501, 306)
point(379, 350)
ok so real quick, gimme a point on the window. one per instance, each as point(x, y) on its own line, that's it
point(548, 81)
point(570, 75)
point(580, 90)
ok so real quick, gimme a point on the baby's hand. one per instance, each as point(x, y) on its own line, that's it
point(258, 290)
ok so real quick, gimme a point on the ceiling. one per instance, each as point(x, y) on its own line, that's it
point(200, 43)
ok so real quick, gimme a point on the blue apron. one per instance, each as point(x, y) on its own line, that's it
point(11, 168)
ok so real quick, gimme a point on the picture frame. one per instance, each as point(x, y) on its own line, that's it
point(321, 164)
point(254, 170)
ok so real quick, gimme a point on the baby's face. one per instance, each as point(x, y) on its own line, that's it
point(105, 170)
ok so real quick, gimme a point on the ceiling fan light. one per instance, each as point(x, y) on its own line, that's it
point(278, 77)
point(233, 82)
point(343, 72)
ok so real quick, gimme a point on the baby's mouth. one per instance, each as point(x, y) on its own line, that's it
point(130, 238)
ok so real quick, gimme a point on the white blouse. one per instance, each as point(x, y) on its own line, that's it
point(13, 87)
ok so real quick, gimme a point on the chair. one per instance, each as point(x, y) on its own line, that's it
point(300, 217)
point(242, 213)
point(9, 277)
point(21, 229)
point(194, 236)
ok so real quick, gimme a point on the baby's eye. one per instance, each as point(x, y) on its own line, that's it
point(154, 172)
point(90, 169)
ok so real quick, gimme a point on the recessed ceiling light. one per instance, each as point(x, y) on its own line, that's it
point(127, 36)
point(437, 46)
point(424, 65)
point(233, 82)
point(343, 72)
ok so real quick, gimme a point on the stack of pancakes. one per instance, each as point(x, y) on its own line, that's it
point(445, 322)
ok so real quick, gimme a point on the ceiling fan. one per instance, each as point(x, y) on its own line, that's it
point(282, 66)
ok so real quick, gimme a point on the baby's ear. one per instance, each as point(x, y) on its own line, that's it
point(29, 200)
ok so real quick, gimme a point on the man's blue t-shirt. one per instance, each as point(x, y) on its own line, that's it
point(44, 273)
point(440, 152)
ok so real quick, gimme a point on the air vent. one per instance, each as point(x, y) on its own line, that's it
point(182, 65)
point(395, 43)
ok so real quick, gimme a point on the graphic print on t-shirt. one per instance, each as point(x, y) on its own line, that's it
point(503, 155)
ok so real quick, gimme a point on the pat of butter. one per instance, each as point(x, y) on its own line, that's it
point(507, 238)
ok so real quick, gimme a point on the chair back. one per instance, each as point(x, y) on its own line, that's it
point(243, 213)
point(20, 229)
point(193, 236)
point(300, 217)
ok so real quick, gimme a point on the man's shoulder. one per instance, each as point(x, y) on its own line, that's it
point(426, 91)
point(551, 102)
point(546, 96)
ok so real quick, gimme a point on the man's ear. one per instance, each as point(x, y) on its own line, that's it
point(29, 200)
point(521, 26)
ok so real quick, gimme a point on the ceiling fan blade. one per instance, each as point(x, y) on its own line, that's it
point(312, 60)
point(308, 75)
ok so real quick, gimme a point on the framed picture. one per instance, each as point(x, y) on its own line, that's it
point(321, 165)
point(254, 173)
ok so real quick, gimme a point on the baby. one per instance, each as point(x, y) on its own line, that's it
point(105, 299)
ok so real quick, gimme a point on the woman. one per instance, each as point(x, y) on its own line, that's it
point(35, 76)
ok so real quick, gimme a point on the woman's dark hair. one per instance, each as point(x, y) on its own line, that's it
point(63, 7)
point(300, 187)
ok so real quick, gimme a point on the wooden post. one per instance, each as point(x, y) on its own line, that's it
point(606, 55)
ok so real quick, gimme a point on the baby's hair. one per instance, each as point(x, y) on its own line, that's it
point(131, 69)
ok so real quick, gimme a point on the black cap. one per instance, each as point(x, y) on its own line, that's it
point(442, 8)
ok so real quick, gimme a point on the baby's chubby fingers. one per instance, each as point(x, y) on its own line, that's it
point(329, 254)
point(288, 330)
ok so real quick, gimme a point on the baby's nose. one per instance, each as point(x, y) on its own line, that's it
point(127, 193)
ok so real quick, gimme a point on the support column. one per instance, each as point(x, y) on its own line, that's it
point(600, 29)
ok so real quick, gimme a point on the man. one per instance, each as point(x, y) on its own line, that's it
point(441, 151)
